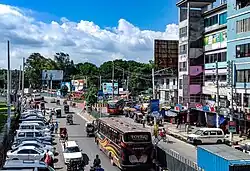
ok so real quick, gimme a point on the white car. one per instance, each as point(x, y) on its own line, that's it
point(34, 126)
point(26, 153)
point(72, 152)
point(35, 144)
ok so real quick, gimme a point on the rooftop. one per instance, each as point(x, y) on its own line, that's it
point(71, 144)
point(194, 3)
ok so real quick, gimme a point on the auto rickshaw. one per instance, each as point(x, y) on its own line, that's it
point(58, 112)
point(69, 119)
point(90, 129)
point(63, 134)
point(66, 108)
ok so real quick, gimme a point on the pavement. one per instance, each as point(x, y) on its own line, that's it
point(77, 132)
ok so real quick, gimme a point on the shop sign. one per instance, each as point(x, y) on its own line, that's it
point(232, 126)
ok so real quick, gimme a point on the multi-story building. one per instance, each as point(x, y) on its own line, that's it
point(238, 48)
point(191, 58)
point(166, 61)
point(215, 52)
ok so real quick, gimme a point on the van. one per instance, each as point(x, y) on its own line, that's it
point(207, 135)
point(32, 134)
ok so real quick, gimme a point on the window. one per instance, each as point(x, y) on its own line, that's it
point(243, 50)
point(222, 78)
point(38, 134)
point(167, 81)
point(173, 81)
point(243, 76)
point(183, 49)
point(212, 58)
point(243, 25)
point(183, 32)
point(38, 127)
point(210, 78)
point(25, 151)
point(205, 133)
point(223, 18)
point(21, 134)
point(183, 66)
point(242, 4)
point(29, 134)
point(219, 133)
point(211, 21)
point(212, 132)
point(180, 83)
point(33, 152)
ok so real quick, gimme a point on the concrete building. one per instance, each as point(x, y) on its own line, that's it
point(238, 48)
point(166, 62)
point(191, 58)
point(215, 52)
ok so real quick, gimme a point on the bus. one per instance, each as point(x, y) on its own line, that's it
point(115, 107)
point(128, 145)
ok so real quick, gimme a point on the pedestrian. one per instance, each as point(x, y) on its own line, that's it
point(56, 127)
point(52, 127)
point(48, 158)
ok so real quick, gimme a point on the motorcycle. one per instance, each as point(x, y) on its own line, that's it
point(96, 168)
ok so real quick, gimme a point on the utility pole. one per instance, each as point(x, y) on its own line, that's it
point(153, 82)
point(100, 82)
point(22, 84)
point(217, 96)
point(8, 89)
point(20, 79)
point(113, 75)
point(232, 96)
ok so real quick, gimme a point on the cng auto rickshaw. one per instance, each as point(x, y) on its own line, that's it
point(69, 119)
point(58, 112)
point(66, 108)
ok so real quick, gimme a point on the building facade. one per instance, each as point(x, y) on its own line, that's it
point(191, 56)
point(238, 48)
point(215, 53)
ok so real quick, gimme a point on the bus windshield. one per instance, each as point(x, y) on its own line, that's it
point(137, 137)
point(111, 105)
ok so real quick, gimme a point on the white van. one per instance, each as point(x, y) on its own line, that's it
point(207, 135)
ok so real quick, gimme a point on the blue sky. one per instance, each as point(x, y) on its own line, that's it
point(145, 14)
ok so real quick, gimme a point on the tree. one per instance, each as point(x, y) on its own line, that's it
point(64, 90)
point(91, 96)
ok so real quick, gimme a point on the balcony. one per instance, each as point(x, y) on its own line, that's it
point(167, 87)
point(195, 88)
point(194, 3)
point(195, 70)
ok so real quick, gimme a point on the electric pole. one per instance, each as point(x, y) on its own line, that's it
point(217, 96)
point(8, 88)
point(113, 75)
point(20, 79)
point(100, 82)
point(153, 82)
point(22, 84)
point(232, 96)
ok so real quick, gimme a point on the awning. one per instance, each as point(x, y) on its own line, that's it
point(169, 113)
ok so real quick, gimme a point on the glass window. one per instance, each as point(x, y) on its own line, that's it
point(223, 18)
point(243, 25)
point(21, 134)
point(72, 150)
point(29, 134)
point(183, 49)
point(183, 32)
point(240, 76)
point(38, 134)
point(33, 152)
point(243, 51)
point(242, 4)
point(24, 151)
point(211, 21)
point(219, 133)
point(180, 83)
point(173, 81)
point(212, 132)
point(205, 133)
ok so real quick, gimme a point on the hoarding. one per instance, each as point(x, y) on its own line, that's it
point(166, 53)
point(107, 88)
point(215, 41)
point(78, 85)
point(55, 75)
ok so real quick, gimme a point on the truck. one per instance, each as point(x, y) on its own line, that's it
point(221, 157)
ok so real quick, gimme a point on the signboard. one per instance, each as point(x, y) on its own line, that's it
point(215, 41)
point(78, 85)
point(108, 88)
point(67, 84)
point(142, 137)
point(54, 75)
point(155, 105)
point(232, 126)
point(100, 95)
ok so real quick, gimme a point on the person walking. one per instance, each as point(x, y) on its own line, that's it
point(48, 159)
point(56, 127)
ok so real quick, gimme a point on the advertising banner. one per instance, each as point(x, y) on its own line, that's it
point(107, 88)
point(78, 85)
point(155, 107)
point(54, 75)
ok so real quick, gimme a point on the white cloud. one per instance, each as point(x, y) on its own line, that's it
point(84, 41)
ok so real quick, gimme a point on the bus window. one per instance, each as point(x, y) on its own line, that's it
point(137, 137)
point(112, 105)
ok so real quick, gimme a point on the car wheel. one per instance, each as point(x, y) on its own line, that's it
point(198, 142)
point(219, 142)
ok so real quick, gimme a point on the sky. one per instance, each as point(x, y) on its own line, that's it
point(89, 31)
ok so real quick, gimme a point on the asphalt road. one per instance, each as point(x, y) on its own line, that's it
point(77, 132)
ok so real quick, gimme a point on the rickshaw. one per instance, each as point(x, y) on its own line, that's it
point(90, 129)
point(42, 106)
point(138, 117)
point(66, 108)
point(63, 134)
point(69, 119)
point(58, 112)
point(65, 102)
point(57, 102)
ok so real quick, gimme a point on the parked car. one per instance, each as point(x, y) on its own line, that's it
point(31, 134)
point(26, 165)
point(71, 152)
point(24, 116)
point(19, 141)
point(34, 126)
point(207, 135)
point(35, 144)
point(41, 123)
point(33, 119)
point(26, 153)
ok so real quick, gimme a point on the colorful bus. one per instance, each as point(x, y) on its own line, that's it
point(128, 145)
point(115, 107)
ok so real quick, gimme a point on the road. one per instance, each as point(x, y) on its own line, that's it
point(77, 132)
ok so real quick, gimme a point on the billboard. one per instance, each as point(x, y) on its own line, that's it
point(78, 85)
point(107, 88)
point(215, 41)
point(55, 75)
point(166, 53)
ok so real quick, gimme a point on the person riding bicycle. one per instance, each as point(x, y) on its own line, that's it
point(97, 161)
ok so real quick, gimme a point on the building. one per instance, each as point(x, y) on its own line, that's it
point(238, 48)
point(166, 62)
point(215, 53)
point(191, 58)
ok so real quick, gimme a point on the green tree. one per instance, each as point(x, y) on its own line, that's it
point(64, 90)
point(91, 96)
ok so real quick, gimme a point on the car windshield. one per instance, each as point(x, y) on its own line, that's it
point(199, 132)
point(72, 150)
